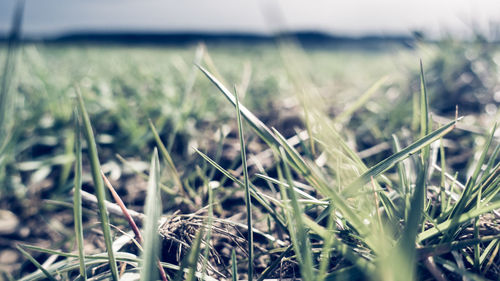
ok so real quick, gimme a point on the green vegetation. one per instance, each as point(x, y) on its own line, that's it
point(322, 164)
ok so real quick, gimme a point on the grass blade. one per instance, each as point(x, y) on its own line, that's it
point(168, 158)
point(326, 250)
point(8, 73)
point(406, 255)
point(190, 262)
point(321, 185)
point(77, 199)
point(99, 185)
point(209, 221)
point(390, 161)
point(194, 255)
point(124, 209)
point(153, 211)
point(297, 162)
point(130, 221)
point(234, 266)
point(276, 216)
point(35, 263)
point(248, 199)
point(472, 190)
point(65, 266)
point(298, 233)
point(424, 105)
point(442, 227)
point(444, 248)
point(262, 130)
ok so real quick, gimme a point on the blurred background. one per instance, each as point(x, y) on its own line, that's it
point(52, 18)
point(355, 61)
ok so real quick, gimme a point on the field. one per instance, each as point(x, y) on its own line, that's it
point(348, 162)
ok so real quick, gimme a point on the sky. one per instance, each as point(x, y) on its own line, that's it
point(341, 17)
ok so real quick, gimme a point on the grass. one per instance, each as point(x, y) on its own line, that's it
point(314, 209)
point(98, 182)
point(248, 201)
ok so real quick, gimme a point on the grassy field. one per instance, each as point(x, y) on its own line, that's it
point(379, 178)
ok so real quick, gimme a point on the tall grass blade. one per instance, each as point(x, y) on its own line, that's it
point(35, 263)
point(262, 130)
point(424, 105)
point(98, 182)
point(8, 73)
point(320, 184)
point(210, 220)
point(194, 255)
point(77, 199)
point(444, 226)
point(276, 216)
point(153, 211)
point(443, 196)
point(470, 192)
point(298, 233)
point(444, 248)
point(482, 158)
point(403, 179)
point(248, 199)
point(168, 158)
point(234, 266)
point(390, 161)
point(326, 250)
point(406, 246)
point(297, 162)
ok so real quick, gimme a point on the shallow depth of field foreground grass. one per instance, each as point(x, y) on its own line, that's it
point(257, 170)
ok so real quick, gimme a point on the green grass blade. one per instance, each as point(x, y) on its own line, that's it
point(443, 248)
point(471, 190)
point(153, 211)
point(35, 263)
point(190, 262)
point(234, 266)
point(168, 158)
point(443, 196)
point(299, 191)
point(248, 199)
point(424, 105)
point(77, 199)
point(390, 161)
point(326, 250)
point(346, 251)
point(93, 260)
point(482, 158)
point(405, 269)
point(262, 130)
point(301, 243)
point(194, 255)
point(270, 269)
point(403, 179)
point(210, 220)
point(8, 73)
point(302, 167)
point(297, 162)
point(493, 157)
point(452, 267)
point(487, 251)
point(442, 227)
point(99, 185)
point(277, 217)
